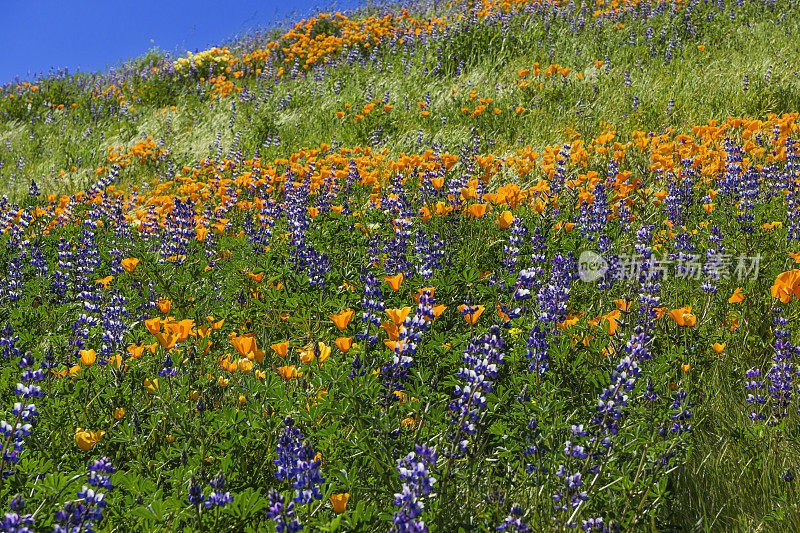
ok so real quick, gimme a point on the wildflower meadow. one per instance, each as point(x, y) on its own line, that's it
point(518, 265)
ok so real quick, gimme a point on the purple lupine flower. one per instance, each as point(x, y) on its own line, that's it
point(482, 359)
point(217, 498)
point(372, 303)
point(415, 474)
point(681, 413)
point(112, 322)
point(513, 523)
point(296, 463)
point(395, 371)
point(15, 522)
point(283, 515)
point(756, 397)
point(86, 513)
point(179, 231)
point(511, 250)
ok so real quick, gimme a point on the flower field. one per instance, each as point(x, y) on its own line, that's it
point(482, 266)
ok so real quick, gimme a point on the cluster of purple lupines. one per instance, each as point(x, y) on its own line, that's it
point(415, 474)
point(25, 413)
point(180, 230)
point(14, 522)
point(514, 522)
point(428, 257)
point(217, 498)
point(297, 463)
point(482, 359)
point(283, 514)
point(372, 304)
point(511, 250)
point(84, 514)
point(782, 374)
point(395, 371)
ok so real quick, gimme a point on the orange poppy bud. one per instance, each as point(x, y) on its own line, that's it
point(164, 305)
point(88, 357)
point(152, 385)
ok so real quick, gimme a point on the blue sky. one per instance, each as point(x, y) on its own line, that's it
point(90, 34)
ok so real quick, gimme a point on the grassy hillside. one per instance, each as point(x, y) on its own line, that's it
point(495, 266)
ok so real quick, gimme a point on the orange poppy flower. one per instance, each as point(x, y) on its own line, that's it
point(129, 264)
point(135, 351)
point(215, 325)
point(344, 343)
point(437, 310)
point(181, 329)
point(622, 305)
point(738, 296)
point(391, 329)
point(244, 345)
point(394, 281)
point(339, 502)
point(786, 286)
point(471, 314)
point(307, 352)
point(718, 347)
point(104, 281)
point(167, 339)
point(398, 316)
point(288, 372)
point(86, 438)
point(477, 210)
point(342, 318)
point(659, 311)
point(505, 219)
point(683, 316)
point(281, 348)
point(256, 277)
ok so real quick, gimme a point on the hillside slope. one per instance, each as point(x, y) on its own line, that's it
point(493, 266)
